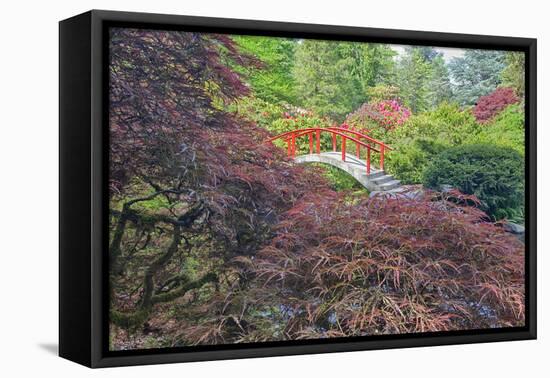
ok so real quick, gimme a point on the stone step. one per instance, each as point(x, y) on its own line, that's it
point(390, 185)
point(382, 179)
point(375, 174)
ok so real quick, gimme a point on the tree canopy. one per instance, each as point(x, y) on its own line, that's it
point(332, 78)
point(423, 78)
point(476, 74)
point(513, 75)
point(273, 82)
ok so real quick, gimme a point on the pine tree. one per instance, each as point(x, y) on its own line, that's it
point(476, 74)
point(440, 83)
point(423, 78)
point(514, 74)
point(332, 78)
point(413, 75)
point(273, 82)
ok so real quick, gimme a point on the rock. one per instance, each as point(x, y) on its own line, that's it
point(514, 228)
point(411, 192)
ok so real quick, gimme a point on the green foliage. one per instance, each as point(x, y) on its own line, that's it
point(259, 111)
point(382, 92)
point(476, 74)
point(514, 74)
point(273, 82)
point(440, 83)
point(423, 78)
point(413, 73)
point(375, 62)
point(340, 180)
point(493, 174)
point(301, 121)
point(408, 162)
point(507, 130)
point(447, 124)
point(423, 136)
point(332, 77)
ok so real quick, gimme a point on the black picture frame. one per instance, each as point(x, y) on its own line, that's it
point(83, 152)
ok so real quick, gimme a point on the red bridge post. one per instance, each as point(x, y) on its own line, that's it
point(368, 160)
point(288, 147)
point(318, 135)
point(343, 148)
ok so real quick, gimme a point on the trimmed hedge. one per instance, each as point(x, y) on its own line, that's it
point(494, 174)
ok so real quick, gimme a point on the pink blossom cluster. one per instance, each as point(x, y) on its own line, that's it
point(387, 113)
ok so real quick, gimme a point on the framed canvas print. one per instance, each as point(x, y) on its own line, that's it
point(233, 188)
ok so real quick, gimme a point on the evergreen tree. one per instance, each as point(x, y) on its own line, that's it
point(514, 74)
point(413, 76)
point(440, 83)
point(476, 74)
point(423, 78)
point(332, 78)
point(273, 82)
point(428, 53)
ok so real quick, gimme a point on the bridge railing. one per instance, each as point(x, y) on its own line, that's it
point(314, 135)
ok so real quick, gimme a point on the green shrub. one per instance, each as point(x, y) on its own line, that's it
point(254, 109)
point(494, 174)
point(340, 180)
point(302, 121)
point(425, 135)
point(507, 130)
point(272, 81)
point(382, 92)
point(408, 162)
point(447, 124)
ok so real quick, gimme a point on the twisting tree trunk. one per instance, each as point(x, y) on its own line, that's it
point(148, 281)
point(114, 248)
point(149, 296)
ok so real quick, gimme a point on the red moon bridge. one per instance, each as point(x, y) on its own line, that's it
point(362, 169)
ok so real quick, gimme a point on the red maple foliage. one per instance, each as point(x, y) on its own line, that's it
point(378, 266)
point(167, 133)
point(489, 106)
point(221, 185)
